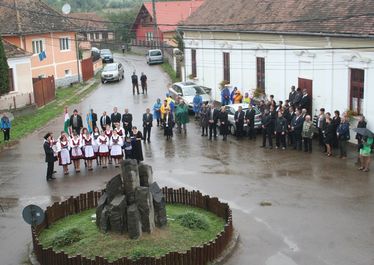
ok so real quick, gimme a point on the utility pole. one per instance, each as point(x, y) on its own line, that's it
point(155, 31)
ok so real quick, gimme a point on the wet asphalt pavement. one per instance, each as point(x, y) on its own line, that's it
point(322, 209)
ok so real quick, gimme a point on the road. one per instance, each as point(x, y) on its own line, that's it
point(322, 209)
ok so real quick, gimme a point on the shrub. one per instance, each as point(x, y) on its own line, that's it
point(193, 220)
point(67, 237)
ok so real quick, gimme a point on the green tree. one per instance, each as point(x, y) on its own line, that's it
point(123, 31)
point(4, 68)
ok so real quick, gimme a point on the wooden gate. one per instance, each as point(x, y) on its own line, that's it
point(44, 90)
point(87, 69)
point(308, 85)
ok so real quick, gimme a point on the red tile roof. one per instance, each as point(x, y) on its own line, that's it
point(12, 51)
point(343, 17)
point(169, 14)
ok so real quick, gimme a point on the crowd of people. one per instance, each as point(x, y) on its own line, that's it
point(289, 122)
point(108, 139)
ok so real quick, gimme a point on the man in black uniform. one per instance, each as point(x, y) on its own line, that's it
point(127, 122)
point(49, 156)
point(135, 84)
point(143, 82)
point(115, 117)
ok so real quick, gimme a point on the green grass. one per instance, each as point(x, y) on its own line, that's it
point(170, 71)
point(174, 237)
point(25, 124)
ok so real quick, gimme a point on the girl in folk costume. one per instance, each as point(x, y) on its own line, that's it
point(120, 131)
point(88, 143)
point(63, 148)
point(96, 135)
point(108, 133)
point(103, 143)
point(76, 151)
point(116, 148)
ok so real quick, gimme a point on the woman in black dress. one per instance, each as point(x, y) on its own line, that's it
point(136, 140)
point(168, 124)
point(336, 122)
point(330, 131)
point(223, 121)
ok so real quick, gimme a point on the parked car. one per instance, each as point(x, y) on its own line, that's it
point(187, 91)
point(112, 72)
point(106, 55)
point(154, 56)
point(231, 109)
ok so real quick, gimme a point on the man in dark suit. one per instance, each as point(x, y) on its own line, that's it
point(135, 83)
point(94, 119)
point(49, 156)
point(297, 128)
point(250, 120)
point(289, 115)
point(115, 117)
point(305, 101)
point(267, 129)
point(143, 82)
point(147, 125)
point(224, 123)
point(213, 119)
point(291, 95)
point(104, 121)
point(127, 122)
point(76, 122)
point(239, 117)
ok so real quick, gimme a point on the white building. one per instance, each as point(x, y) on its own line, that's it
point(326, 48)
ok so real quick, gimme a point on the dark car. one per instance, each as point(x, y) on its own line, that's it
point(106, 55)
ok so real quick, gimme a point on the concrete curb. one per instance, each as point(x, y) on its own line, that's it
point(219, 261)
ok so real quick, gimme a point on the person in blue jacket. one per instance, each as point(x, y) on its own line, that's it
point(225, 96)
point(5, 127)
point(197, 104)
point(343, 136)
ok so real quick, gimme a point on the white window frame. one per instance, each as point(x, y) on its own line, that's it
point(149, 36)
point(37, 46)
point(64, 44)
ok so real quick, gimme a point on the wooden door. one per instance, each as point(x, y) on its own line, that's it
point(308, 85)
point(357, 90)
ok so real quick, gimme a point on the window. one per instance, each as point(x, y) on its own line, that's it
point(97, 35)
point(357, 90)
point(37, 46)
point(11, 81)
point(226, 66)
point(193, 63)
point(149, 36)
point(67, 72)
point(260, 69)
point(91, 36)
point(64, 44)
point(85, 36)
point(104, 35)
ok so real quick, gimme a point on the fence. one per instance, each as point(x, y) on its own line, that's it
point(200, 255)
point(87, 69)
point(44, 90)
point(12, 101)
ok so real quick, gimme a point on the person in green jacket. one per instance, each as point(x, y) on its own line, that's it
point(181, 116)
point(365, 152)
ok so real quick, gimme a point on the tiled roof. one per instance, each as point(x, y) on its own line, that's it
point(12, 51)
point(22, 17)
point(171, 13)
point(332, 17)
point(89, 22)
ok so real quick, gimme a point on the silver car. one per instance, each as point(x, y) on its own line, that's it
point(231, 109)
point(112, 72)
point(187, 91)
point(154, 56)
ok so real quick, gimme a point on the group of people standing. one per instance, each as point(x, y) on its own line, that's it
point(106, 146)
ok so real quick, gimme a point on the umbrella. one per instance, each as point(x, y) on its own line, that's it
point(364, 132)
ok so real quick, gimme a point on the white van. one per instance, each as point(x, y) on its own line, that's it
point(154, 56)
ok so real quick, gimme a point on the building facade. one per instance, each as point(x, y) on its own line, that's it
point(49, 36)
point(336, 66)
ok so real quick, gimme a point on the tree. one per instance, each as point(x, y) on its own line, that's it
point(4, 70)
